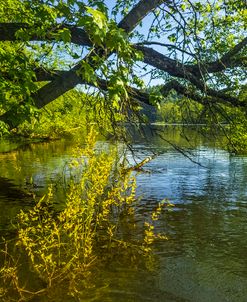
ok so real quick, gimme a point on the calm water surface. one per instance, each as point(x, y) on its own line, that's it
point(205, 258)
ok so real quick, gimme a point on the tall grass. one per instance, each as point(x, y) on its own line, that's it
point(55, 249)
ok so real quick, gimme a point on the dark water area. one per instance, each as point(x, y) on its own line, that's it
point(205, 258)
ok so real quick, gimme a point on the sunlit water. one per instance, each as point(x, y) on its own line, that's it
point(205, 258)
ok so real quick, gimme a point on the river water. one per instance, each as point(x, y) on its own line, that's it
point(205, 258)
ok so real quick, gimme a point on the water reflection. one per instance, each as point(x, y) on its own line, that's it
point(205, 256)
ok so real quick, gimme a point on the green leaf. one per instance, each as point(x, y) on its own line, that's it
point(65, 35)
point(98, 17)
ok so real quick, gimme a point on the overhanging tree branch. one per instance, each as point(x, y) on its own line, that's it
point(171, 46)
point(135, 16)
point(212, 97)
point(62, 81)
point(134, 93)
point(70, 79)
point(172, 67)
point(9, 32)
point(179, 70)
point(226, 61)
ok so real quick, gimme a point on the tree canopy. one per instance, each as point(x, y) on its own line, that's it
point(120, 48)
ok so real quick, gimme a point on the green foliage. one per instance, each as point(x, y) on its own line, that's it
point(3, 129)
point(237, 130)
point(68, 116)
point(218, 121)
point(20, 59)
point(181, 111)
point(63, 35)
point(19, 84)
point(198, 34)
point(238, 137)
point(63, 248)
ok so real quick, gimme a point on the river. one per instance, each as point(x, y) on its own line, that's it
point(204, 259)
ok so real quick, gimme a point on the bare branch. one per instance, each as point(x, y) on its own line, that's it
point(212, 97)
point(226, 61)
point(166, 45)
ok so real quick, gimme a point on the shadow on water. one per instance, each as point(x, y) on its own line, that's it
point(10, 192)
point(12, 200)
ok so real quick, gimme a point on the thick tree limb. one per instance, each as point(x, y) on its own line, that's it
point(189, 71)
point(212, 96)
point(134, 93)
point(172, 67)
point(44, 75)
point(79, 36)
point(135, 16)
point(8, 32)
point(70, 79)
